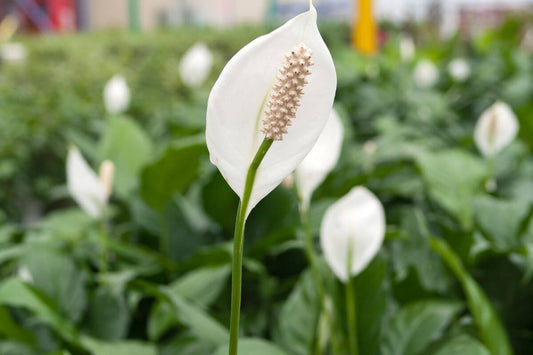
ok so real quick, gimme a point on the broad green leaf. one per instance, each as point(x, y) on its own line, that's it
point(501, 220)
point(186, 345)
point(463, 345)
point(172, 172)
point(298, 318)
point(68, 292)
point(8, 347)
point(370, 288)
point(250, 346)
point(69, 223)
point(416, 325)
point(129, 148)
point(200, 287)
point(108, 315)
point(16, 293)
point(11, 330)
point(453, 178)
point(126, 347)
point(490, 329)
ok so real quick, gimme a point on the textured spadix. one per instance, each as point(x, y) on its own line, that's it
point(496, 128)
point(86, 188)
point(356, 222)
point(237, 107)
point(321, 159)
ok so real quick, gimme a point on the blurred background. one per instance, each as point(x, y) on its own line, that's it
point(414, 77)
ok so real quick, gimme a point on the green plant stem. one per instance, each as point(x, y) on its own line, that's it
point(351, 308)
point(238, 242)
point(104, 267)
point(315, 272)
point(163, 235)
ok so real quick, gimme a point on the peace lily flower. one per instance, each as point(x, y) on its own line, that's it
point(321, 159)
point(264, 114)
point(407, 48)
point(354, 225)
point(90, 191)
point(195, 65)
point(496, 128)
point(13, 52)
point(459, 69)
point(116, 95)
point(426, 74)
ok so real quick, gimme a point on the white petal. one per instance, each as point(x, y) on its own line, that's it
point(236, 107)
point(356, 220)
point(116, 95)
point(426, 74)
point(407, 48)
point(321, 159)
point(13, 52)
point(459, 69)
point(83, 184)
point(495, 129)
point(195, 65)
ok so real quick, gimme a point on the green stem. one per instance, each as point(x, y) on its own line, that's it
point(103, 243)
point(163, 234)
point(315, 272)
point(238, 241)
point(351, 309)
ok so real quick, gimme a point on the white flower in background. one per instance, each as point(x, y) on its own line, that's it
point(426, 74)
point(459, 69)
point(90, 191)
point(116, 95)
point(527, 40)
point(195, 65)
point(321, 159)
point(270, 88)
point(407, 48)
point(496, 128)
point(13, 52)
point(24, 274)
point(356, 222)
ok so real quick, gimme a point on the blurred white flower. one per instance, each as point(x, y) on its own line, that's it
point(459, 69)
point(407, 48)
point(426, 74)
point(195, 65)
point(250, 94)
point(370, 147)
point(90, 191)
point(527, 40)
point(356, 222)
point(13, 52)
point(116, 95)
point(24, 274)
point(321, 159)
point(496, 128)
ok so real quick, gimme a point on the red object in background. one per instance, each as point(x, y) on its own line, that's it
point(62, 14)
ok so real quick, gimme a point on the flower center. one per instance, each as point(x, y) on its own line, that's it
point(287, 92)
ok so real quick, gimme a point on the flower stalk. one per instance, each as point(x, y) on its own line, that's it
point(351, 308)
point(238, 242)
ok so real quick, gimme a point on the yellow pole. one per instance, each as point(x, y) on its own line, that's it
point(364, 33)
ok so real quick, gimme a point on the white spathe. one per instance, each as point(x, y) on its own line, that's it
point(407, 48)
point(356, 222)
point(321, 159)
point(13, 53)
point(236, 107)
point(459, 69)
point(90, 191)
point(116, 95)
point(496, 128)
point(195, 65)
point(426, 74)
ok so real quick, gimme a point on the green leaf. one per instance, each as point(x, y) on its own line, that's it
point(501, 220)
point(296, 326)
point(186, 345)
point(453, 178)
point(108, 315)
point(126, 144)
point(490, 329)
point(416, 325)
point(97, 347)
point(16, 293)
point(11, 330)
point(172, 172)
point(68, 292)
point(250, 346)
point(463, 345)
point(200, 287)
